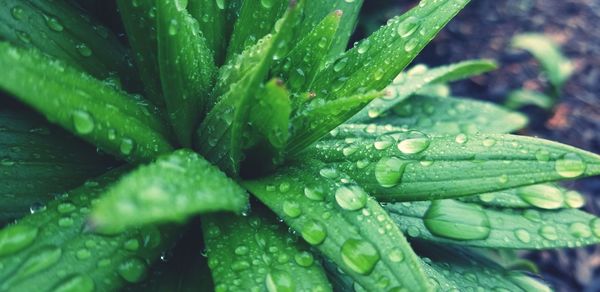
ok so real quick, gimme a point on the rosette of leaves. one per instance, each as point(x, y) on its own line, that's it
point(311, 167)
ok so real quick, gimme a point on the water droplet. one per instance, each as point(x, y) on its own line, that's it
point(340, 64)
point(351, 198)
point(359, 255)
point(523, 235)
point(330, 173)
point(461, 139)
point(126, 146)
point(411, 45)
point(65, 222)
point(304, 259)
point(313, 232)
point(240, 265)
point(132, 270)
point(291, 209)
point(84, 50)
point(364, 46)
point(396, 255)
point(542, 155)
point(131, 245)
point(17, 12)
point(267, 3)
point(542, 196)
point(489, 142)
point(383, 142)
point(408, 27)
point(181, 5)
point(574, 199)
point(570, 165)
point(315, 194)
point(548, 232)
point(220, 4)
point(173, 27)
point(595, 224)
point(77, 283)
point(580, 230)
point(279, 281)
point(241, 250)
point(455, 220)
point(83, 254)
point(65, 208)
point(14, 238)
point(54, 24)
point(389, 171)
point(37, 207)
point(83, 122)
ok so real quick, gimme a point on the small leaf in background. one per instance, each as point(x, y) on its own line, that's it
point(374, 62)
point(409, 165)
point(49, 249)
point(172, 189)
point(212, 17)
point(255, 251)
point(450, 221)
point(521, 98)
point(338, 218)
point(417, 78)
point(315, 11)
point(555, 65)
point(452, 115)
point(301, 65)
point(49, 159)
point(65, 32)
point(120, 124)
point(255, 20)
point(186, 66)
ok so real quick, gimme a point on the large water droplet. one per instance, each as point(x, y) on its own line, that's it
point(570, 165)
point(351, 198)
point(313, 232)
point(83, 122)
point(84, 50)
point(580, 230)
point(523, 235)
point(359, 255)
point(416, 143)
point(54, 24)
point(267, 3)
point(14, 238)
point(279, 281)
point(17, 12)
point(291, 209)
point(132, 270)
point(220, 4)
point(408, 27)
point(548, 232)
point(304, 259)
point(542, 196)
point(181, 5)
point(389, 171)
point(126, 146)
point(396, 255)
point(455, 220)
point(315, 194)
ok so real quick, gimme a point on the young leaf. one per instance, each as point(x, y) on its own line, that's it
point(255, 251)
point(314, 13)
point(219, 137)
point(212, 16)
point(338, 218)
point(269, 119)
point(450, 221)
point(63, 31)
point(377, 60)
point(452, 116)
point(53, 249)
point(139, 19)
point(172, 189)
point(544, 196)
point(556, 66)
point(321, 116)
point(521, 98)
point(117, 123)
point(186, 67)
point(409, 83)
point(409, 165)
point(47, 158)
point(301, 65)
point(255, 20)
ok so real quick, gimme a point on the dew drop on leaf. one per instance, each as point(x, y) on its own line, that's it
point(291, 209)
point(351, 198)
point(304, 259)
point(542, 196)
point(570, 165)
point(389, 171)
point(132, 270)
point(279, 281)
point(313, 232)
point(580, 230)
point(83, 122)
point(315, 194)
point(548, 232)
point(455, 220)
point(359, 255)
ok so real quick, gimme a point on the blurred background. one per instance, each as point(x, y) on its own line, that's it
point(485, 29)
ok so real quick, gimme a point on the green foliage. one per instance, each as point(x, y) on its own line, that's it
point(341, 146)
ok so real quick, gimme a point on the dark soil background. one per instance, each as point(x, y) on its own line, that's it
point(484, 30)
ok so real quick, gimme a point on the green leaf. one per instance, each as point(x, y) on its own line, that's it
point(186, 68)
point(46, 157)
point(120, 124)
point(299, 68)
point(544, 196)
point(521, 98)
point(339, 219)
point(269, 119)
point(373, 63)
point(453, 268)
point(417, 78)
point(315, 11)
point(450, 221)
point(53, 249)
point(171, 189)
point(448, 115)
point(139, 19)
point(254, 251)
point(409, 165)
point(212, 16)
point(321, 116)
point(255, 20)
point(63, 31)
point(555, 65)
point(219, 137)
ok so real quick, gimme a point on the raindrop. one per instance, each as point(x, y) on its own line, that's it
point(291, 209)
point(83, 122)
point(580, 230)
point(84, 50)
point(548, 232)
point(313, 232)
point(389, 171)
point(542, 196)
point(351, 198)
point(408, 27)
point(570, 165)
point(315, 194)
point(455, 220)
point(304, 259)
point(396, 255)
point(132, 270)
point(279, 281)
point(359, 255)
point(523, 235)
point(54, 24)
